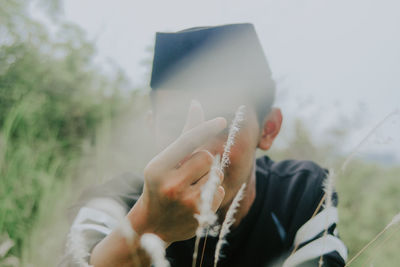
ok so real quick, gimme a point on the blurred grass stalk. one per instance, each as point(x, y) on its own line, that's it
point(56, 107)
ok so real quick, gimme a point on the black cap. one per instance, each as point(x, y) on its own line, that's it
point(228, 55)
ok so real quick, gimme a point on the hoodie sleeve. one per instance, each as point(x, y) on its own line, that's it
point(310, 243)
point(98, 212)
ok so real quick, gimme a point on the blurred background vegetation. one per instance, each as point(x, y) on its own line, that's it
point(65, 122)
point(52, 100)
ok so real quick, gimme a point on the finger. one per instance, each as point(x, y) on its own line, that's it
point(195, 116)
point(198, 185)
point(187, 143)
point(196, 166)
point(218, 198)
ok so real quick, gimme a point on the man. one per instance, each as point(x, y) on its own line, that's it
point(222, 68)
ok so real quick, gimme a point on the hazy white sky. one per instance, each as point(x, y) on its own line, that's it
point(333, 60)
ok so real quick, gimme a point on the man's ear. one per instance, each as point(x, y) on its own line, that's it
point(270, 128)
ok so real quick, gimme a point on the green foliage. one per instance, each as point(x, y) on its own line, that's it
point(369, 196)
point(52, 98)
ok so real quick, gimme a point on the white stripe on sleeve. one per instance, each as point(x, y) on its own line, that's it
point(89, 215)
point(92, 227)
point(316, 225)
point(315, 249)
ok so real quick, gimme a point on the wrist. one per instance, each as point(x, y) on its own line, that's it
point(138, 217)
point(140, 221)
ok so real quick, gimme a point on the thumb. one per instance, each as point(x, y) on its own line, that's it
point(195, 116)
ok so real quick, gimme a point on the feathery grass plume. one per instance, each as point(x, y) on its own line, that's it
point(328, 186)
point(228, 222)
point(155, 247)
point(233, 129)
point(131, 237)
point(127, 231)
point(206, 217)
point(393, 222)
point(77, 248)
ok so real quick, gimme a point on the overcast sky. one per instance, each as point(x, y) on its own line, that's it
point(334, 61)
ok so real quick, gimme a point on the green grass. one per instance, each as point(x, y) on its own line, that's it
point(369, 198)
point(34, 161)
point(51, 107)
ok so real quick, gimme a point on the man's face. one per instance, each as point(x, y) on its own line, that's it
point(171, 108)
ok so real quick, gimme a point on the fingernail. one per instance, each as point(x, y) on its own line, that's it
point(221, 121)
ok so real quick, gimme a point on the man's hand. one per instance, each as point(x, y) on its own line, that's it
point(173, 181)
